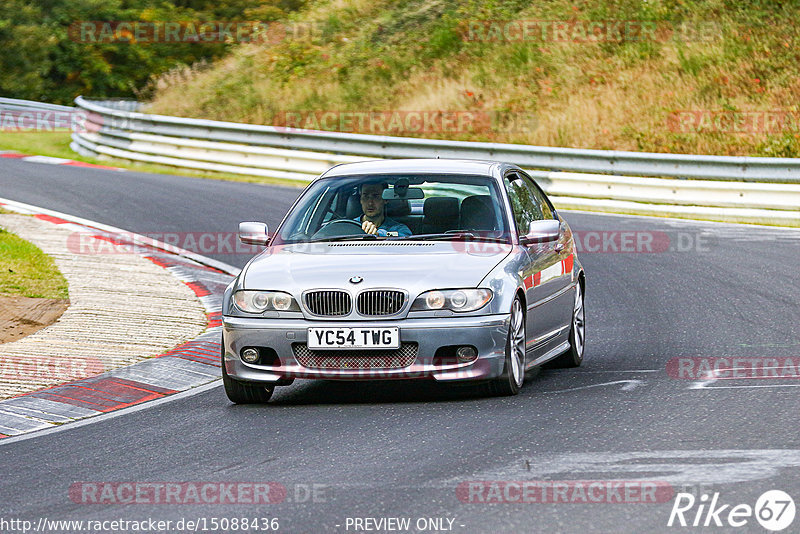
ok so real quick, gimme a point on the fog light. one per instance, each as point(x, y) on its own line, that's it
point(466, 354)
point(250, 355)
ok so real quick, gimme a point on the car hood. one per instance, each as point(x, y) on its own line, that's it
point(415, 266)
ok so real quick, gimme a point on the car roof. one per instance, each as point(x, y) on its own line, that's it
point(417, 166)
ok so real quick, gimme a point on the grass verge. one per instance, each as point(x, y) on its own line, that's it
point(27, 271)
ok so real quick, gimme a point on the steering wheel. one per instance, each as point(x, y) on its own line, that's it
point(339, 227)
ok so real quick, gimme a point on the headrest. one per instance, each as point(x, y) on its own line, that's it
point(477, 213)
point(444, 209)
point(353, 206)
point(397, 208)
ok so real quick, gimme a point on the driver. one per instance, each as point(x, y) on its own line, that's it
point(374, 220)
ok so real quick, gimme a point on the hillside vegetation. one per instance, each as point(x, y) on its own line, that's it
point(45, 56)
point(679, 85)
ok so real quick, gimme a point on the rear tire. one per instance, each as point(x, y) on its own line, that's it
point(577, 336)
point(240, 392)
point(510, 381)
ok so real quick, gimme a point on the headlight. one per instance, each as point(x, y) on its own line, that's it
point(261, 301)
point(459, 300)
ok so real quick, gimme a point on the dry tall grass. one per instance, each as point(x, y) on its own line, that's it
point(376, 56)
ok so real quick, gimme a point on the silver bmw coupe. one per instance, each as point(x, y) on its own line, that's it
point(445, 270)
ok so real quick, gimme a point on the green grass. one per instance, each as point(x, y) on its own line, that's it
point(27, 271)
point(57, 145)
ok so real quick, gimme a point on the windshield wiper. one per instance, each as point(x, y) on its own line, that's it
point(454, 236)
point(344, 238)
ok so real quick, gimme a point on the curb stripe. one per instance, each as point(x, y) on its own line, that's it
point(50, 218)
point(198, 288)
point(157, 261)
point(48, 160)
point(192, 364)
point(91, 165)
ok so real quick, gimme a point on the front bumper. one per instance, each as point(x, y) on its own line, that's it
point(486, 333)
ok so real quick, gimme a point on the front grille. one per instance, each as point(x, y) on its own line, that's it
point(355, 359)
point(380, 302)
point(328, 303)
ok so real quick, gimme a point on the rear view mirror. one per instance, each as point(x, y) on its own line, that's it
point(541, 232)
point(403, 193)
point(253, 233)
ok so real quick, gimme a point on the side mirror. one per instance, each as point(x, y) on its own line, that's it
point(541, 232)
point(253, 233)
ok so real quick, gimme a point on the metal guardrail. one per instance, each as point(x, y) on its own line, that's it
point(113, 121)
point(764, 203)
point(764, 190)
point(120, 104)
point(744, 189)
point(767, 190)
point(13, 104)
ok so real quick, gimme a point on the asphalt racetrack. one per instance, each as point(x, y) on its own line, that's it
point(447, 458)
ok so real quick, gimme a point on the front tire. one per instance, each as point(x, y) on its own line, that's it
point(243, 392)
point(510, 381)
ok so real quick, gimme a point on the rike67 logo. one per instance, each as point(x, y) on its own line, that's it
point(774, 510)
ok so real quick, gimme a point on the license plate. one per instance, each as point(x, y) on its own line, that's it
point(354, 338)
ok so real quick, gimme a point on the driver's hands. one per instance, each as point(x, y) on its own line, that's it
point(369, 227)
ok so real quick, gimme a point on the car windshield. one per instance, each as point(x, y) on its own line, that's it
point(401, 206)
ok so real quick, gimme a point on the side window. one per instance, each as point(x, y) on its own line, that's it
point(337, 208)
point(323, 211)
point(523, 203)
point(541, 199)
point(305, 222)
point(330, 213)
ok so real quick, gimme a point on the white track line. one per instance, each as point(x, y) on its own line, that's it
point(111, 415)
